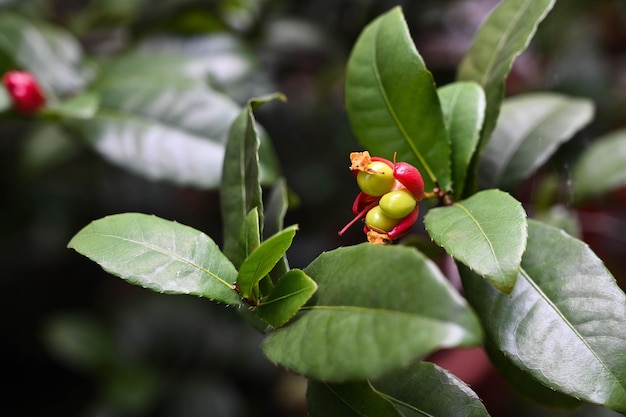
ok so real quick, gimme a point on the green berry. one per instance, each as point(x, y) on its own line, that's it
point(377, 179)
point(377, 219)
point(397, 204)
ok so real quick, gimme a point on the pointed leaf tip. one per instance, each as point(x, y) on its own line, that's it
point(565, 321)
point(391, 100)
point(487, 232)
point(158, 254)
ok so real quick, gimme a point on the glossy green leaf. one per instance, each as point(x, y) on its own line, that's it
point(486, 232)
point(524, 384)
point(50, 52)
point(565, 321)
point(392, 102)
point(291, 292)
point(425, 389)
point(352, 399)
point(163, 130)
point(261, 261)
point(504, 35)
point(158, 254)
point(171, 129)
point(601, 167)
point(376, 308)
point(528, 132)
point(240, 189)
point(463, 105)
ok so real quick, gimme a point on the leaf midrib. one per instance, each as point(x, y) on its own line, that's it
point(394, 116)
point(484, 234)
point(167, 253)
point(503, 41)
point(395, 400)
point(573, 329)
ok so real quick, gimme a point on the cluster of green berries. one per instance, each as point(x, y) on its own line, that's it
point(389, 197)
point(25, 92)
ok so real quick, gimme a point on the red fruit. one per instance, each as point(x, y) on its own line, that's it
point(389, 197)
point(410, 177)
point(24, 90)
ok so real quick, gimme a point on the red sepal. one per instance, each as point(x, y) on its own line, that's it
point(362, 201)
point(362, 204)
point(404, 226)
point(410, 177)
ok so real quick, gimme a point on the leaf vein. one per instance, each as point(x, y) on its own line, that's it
point(394, 116)
point(169, 254)
point(576, 333)
point(482, 232)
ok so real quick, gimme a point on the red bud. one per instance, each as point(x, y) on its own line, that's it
point(24, 90)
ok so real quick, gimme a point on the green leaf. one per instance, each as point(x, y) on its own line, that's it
point(158, 254)
point(139, 65)
point(565, 321)
point(276, 208)
point(261, 261)
point(504, 35)
point(81, 106)
point(352, 399)
point(424, 389)
point(275, 211)
point(291, 292)
point(600, 168)
point(525, 384)
point(170, 130)
point(529, 130)
point(463, 105)
point(226, 59)
point(250, 235)
point(376, 308)
point(392, 102)
point(240, 189)
point(486, 232)
point(51, 53)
